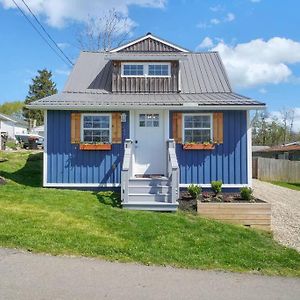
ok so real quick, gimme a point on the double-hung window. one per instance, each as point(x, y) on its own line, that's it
point(197, 128)
point(96, 128)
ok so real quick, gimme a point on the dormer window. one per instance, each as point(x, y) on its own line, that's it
point(152, 69)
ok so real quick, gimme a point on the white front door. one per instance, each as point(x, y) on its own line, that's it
point(149, 143)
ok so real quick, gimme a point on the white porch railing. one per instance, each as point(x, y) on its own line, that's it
point(126, 172)
point(173, 171)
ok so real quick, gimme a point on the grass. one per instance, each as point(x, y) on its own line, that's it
point(292, 186)
point(84, 223)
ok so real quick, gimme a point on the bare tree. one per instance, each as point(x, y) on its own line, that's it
point(287, 116)
point(104, 33)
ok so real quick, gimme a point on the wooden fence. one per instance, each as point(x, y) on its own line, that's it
point(270, 169)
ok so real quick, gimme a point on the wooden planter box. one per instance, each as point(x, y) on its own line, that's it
point(95, 147)
point(256, 215)
point(198, 146)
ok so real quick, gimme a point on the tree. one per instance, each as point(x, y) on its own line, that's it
point(12, 108)
point(42, 86)
point(104, 33)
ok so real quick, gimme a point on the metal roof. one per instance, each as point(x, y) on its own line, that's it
point(200, 73)
point(95, 100)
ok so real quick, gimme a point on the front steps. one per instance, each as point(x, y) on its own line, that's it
point(150, 194)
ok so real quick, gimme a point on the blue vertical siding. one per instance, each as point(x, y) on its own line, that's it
point(67, 164)
point(227, 162)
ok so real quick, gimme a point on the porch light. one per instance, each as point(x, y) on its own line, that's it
point(123, 118)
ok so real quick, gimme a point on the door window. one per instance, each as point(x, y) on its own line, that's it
point(149, 120)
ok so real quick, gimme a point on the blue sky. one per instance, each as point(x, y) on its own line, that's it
point(258, 40)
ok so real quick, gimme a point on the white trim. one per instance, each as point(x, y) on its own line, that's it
point(96, 114)
point(146, 37)
point(208, 185)
point(146, 107)
point(249, 150)
point(45, 156)
point(146, 69)
point(82, 185)
point(197, 114)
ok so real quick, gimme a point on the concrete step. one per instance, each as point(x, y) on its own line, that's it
point(150, 205)
point(146, 197)
point(149, 189)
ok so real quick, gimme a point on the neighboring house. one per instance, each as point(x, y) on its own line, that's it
point(115, 123)
point(12, 126)
point(289, 151)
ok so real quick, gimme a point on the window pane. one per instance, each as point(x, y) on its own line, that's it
point(194, 121)
point(96, 129)
point(158, 70)
point(197, 135)
point(133, 70)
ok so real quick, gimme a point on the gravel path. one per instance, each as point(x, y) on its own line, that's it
point(285, 211)
point(31, 276)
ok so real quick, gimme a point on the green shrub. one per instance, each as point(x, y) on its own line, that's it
point(216, 186)
point(246, 193)
point(194, 190)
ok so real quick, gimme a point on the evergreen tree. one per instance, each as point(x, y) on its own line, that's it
point(42, 86)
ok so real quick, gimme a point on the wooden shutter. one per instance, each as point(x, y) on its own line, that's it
point(116, 128)
point(218, 127)
point(177, 127)
point(75, 128)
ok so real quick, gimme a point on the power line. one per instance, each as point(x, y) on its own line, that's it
point(38, 32)
point(49, 36)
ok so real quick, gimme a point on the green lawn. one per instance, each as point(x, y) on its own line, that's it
point(76, 222)
point(292, 186)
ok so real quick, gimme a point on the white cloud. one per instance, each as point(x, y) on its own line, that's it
point(206, 43)
point(259, 62)
point(230, 17)
point(215, 21)
point(58, 13)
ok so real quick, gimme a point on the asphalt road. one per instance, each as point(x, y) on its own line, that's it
point(30, 276)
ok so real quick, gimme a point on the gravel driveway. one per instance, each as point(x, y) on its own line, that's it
point(285, 211)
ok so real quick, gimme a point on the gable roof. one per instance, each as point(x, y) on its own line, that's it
point(139, 44)
point(13, 119)
point(203, 80)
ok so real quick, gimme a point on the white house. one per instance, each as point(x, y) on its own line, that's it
point(12, 126)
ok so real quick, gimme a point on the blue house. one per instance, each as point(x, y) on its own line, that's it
point(148, 118)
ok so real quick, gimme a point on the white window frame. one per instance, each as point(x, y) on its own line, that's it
point(197, 114)
point(95, 114)
point(146, 69)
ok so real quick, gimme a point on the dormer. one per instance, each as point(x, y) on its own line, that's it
point(146, 65)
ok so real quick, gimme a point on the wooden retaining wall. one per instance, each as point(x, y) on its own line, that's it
point(270, 169)
point(256, 215)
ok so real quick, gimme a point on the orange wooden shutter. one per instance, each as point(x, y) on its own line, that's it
point(75, 128)
point(177, 127)
point(218, 127)
point(116, 128)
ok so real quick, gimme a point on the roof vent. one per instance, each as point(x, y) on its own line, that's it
point(149, 33)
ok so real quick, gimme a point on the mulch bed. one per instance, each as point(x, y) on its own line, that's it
point(187, 203)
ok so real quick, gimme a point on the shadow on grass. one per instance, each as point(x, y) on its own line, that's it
point(109, 198)
point(30, 174)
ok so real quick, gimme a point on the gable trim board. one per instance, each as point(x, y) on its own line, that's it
point(147, 37)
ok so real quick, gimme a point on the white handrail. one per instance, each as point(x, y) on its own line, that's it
point(126, 170)
point(173, 171)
